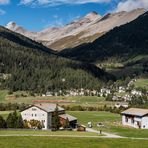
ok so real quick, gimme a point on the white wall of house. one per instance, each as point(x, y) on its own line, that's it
point(36, 114)
point(144, 122)
point(134, 123)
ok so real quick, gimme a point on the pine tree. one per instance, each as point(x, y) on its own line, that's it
point(9, 121)
point(66, 123)
point(2, 122)
point(19, 123)
point(56, 119)
point(12, 120)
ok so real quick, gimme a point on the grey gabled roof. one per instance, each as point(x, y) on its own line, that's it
point(67, 116)
point(48, 107)
point(136, 112)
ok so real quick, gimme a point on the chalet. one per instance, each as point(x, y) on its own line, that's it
point(135, 117)
point(44, 112)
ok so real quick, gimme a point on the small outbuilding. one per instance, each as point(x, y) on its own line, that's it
point(72, 121)
point(81, 128)
point(135, 117)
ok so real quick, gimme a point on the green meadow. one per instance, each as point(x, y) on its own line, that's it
point(65, 142)
point(142, 83)
point(111, 122)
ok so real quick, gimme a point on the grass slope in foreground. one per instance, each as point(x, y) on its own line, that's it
point(48, 142)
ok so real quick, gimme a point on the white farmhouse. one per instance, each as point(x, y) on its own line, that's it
point(44, 112)
point(135, 117)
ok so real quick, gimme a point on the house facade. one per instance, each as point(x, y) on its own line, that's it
point(43, 113)
point(135, 117)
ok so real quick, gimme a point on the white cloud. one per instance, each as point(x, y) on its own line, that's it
point(2, 12)
point(59, 2)
point(128, 5)
point(2, 2)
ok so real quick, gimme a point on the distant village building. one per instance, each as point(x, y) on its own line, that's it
point(127, 97)
point(121, 104)
point(105, 91)
point(136, 92)
point(44, 112)
point(135, 117)
point(121, 89)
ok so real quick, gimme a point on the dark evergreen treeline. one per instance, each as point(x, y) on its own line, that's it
point(14, 120)
point(12, 106)
point(24, 65)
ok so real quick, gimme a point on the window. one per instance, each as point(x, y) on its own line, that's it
point(126, 119)
point(32, 115)
point(132, 120)
point(33, 109)
point(43, 114)
point(35, 115)
point(143, 126)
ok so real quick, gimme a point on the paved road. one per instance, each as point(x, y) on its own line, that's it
point(34, 135)
point(71, 136)
point(106, 135)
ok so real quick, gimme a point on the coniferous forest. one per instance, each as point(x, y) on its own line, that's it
point(27, 65)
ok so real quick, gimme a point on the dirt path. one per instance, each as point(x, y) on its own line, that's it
point(33, 135)
point(110, 135)
point(107, 135)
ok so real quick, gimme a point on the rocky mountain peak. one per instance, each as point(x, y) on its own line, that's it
point(92, 16)
point(11, 25)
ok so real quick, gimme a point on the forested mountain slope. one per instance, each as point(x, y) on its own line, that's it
point(124, 42)
point(122, 51)
point(27, 65)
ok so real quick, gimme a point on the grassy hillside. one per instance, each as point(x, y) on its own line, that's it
point(143, 83)
point(73, 41)
point(27, 65)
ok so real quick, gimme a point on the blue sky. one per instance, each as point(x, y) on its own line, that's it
point(36, 15)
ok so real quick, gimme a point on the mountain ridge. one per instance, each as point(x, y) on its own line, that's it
point(82, 30)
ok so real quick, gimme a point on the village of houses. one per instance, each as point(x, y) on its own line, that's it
point(45, 113)
point(122, 95)
point(130, 117)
